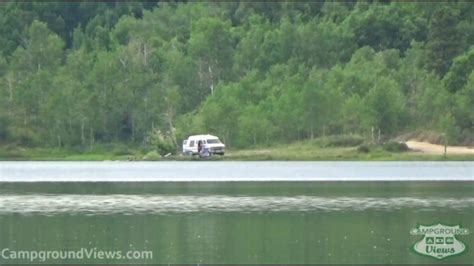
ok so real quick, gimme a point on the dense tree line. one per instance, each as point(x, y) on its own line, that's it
point(74, 74)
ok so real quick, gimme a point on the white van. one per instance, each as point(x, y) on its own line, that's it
point(215, 146)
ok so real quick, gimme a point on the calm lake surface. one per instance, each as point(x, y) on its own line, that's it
point(211, 212)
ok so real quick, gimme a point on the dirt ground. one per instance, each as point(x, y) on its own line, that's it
point(429, 148)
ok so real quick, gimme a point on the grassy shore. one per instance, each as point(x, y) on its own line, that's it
point(317, 150)
point(295, 153)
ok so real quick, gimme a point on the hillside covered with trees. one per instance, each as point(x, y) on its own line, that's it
point(82, 73)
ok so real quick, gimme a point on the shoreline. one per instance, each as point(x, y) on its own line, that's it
point(298, 151)
point(388, 157)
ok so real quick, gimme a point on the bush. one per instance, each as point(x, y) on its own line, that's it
point(466, 138)
point(120, 149)
point(161, 142)
point(24, 136)
point(11, 151)
point(364, 148)
point(152, 156)
point(340, 141)
point(165, 147)
point(395, 146)
point(4, 123)
point(77, 149)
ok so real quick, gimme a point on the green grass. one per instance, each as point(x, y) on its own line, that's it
point(15, 153)
point(297, 151)
point(336, 148)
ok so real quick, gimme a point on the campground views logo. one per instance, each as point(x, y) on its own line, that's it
point(439, 240)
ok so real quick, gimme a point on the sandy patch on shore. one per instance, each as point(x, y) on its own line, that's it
point(426, 147)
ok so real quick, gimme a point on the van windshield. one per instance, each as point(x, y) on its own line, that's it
point(213, 141)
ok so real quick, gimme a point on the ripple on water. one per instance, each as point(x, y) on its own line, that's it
point(54, 204)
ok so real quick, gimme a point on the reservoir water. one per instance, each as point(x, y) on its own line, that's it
point(216, 212)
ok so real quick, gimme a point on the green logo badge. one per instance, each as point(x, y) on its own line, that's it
point(439, 240)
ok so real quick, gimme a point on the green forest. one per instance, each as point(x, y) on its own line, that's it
point(147, 75)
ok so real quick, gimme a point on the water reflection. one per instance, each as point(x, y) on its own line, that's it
point(55, 204)
point(225, 171)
